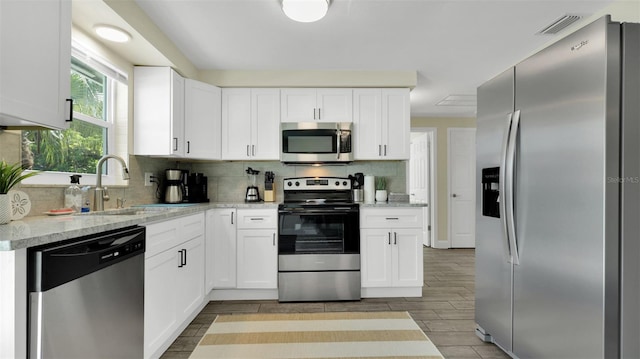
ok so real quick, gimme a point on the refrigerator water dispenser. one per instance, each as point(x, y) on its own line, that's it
point(491, 192)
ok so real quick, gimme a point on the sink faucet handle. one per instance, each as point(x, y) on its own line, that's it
point(120, 202)
point(105, 194)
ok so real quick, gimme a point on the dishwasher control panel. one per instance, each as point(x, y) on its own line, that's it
point(122, 250)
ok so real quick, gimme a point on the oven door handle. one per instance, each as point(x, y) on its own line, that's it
point(341, 210)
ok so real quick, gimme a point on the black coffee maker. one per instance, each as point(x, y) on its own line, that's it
point(197, 188)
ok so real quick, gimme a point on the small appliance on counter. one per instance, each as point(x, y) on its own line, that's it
point(197, 188)
point(174, 188)
point(253, 194)
point(269, 189)
point(357, 182)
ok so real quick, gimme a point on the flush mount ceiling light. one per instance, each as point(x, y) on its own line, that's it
point(305, 10)
point(112, 33)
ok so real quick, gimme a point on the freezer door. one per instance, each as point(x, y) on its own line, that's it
point(493, 267)
point(566, 212)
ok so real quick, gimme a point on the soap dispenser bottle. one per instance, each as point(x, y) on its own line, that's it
point(73, 194)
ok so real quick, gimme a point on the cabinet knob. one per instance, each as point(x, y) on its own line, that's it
point(454, 195)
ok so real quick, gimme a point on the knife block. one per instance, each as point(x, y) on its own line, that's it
point(270, 194)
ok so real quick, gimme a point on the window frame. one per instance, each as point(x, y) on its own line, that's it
point(112, 177)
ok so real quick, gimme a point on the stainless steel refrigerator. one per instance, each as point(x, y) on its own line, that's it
point(558, 217)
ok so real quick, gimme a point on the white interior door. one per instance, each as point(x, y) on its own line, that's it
point(461, 161)
point(420, 176)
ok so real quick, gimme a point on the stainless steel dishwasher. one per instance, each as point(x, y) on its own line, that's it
point(86, 297)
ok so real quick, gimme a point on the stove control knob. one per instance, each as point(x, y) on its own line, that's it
point(289, 183)
point(337, 183)
point(297, 183)
point(344, 183)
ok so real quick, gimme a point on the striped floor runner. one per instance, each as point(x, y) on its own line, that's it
point(316, 335)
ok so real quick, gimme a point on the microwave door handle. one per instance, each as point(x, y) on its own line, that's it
point(338, 138)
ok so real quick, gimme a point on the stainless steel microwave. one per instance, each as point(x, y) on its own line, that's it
point(316, 142)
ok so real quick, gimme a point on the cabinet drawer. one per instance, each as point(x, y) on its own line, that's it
point(257, 218)
point(391, 217)
point(164, 235)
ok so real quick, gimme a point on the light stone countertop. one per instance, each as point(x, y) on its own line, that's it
point(37, 230)
point(392, 204)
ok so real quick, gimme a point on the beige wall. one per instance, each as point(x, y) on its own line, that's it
point(316, 78)
point(442, 125)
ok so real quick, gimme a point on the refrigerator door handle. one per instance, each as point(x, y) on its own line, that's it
point(510, 178)
point(502, 205)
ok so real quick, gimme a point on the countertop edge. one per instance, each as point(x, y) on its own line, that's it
point(38, 230)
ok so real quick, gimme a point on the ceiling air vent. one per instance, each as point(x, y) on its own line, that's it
point(458, 100)
point(559, 24)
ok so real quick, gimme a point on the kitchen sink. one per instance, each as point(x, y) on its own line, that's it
point(116, 212)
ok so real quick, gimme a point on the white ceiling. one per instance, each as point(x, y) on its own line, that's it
point(454, 45)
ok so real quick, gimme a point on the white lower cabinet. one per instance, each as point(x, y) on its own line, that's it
point(174, 280)
point(221, 248)
point(244, 252)
point(391, 251)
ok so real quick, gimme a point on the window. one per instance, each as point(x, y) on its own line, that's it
point(95, 88)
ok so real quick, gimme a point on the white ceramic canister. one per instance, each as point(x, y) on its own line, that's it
point(369, 189)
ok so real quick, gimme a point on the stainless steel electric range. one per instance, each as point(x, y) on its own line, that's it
point(318, 241)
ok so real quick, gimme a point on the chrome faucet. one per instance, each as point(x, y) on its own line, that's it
point(101, 193)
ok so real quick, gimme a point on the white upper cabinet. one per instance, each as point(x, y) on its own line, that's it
point(175, 117)
point(381, 124)
point(35, 60)
point(158, 112)
point(202, 120)
point(323, 104)
point(250, 124)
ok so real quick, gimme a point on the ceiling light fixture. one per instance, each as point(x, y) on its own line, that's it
point(305, 10)
point(112, 33)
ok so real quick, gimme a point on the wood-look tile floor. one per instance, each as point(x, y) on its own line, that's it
point(445, 312)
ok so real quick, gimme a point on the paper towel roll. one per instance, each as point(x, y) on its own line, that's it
point(369, 189)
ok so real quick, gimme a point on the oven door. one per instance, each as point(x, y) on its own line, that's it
point(322, 230)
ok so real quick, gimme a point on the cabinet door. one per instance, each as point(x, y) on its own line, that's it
point(298, 105)
point(257, 258)
point(236, 123)
point(375, 255)
point(190, 276)
point(407, 257)
point(35, 60)
point(158, 112)
point(160, 299)
point(334, 105)
point(265, 124)
point(367, 124)
point(224, 247)
point(396, 121)
point(202, 120)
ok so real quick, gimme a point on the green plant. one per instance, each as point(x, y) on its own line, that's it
point(381, 183)
point(11, 175)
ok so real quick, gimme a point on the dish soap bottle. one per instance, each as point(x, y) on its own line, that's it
point(73, 194)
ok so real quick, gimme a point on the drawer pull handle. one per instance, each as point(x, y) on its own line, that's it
point(392, 218)
point(257, 219)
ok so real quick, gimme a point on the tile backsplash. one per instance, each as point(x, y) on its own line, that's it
point(227, 181)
